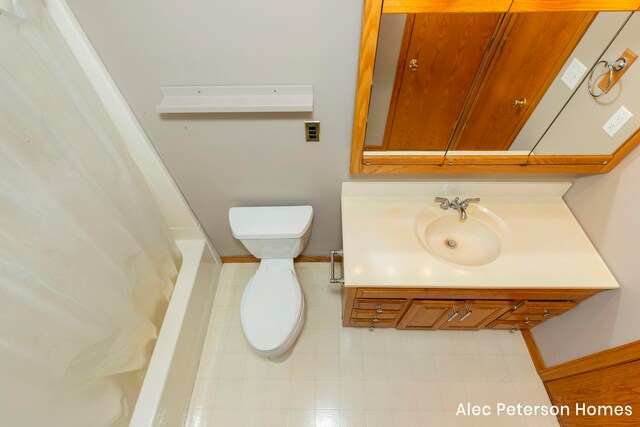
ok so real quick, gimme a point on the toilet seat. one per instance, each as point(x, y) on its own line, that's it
point(271, 310)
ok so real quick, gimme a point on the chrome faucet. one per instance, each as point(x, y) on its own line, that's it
point(457, 205)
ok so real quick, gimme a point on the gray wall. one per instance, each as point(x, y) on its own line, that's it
point(225, 160)
point(608, 209)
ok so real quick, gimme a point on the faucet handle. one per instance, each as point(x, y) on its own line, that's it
point(466, 202)
point(444, 202)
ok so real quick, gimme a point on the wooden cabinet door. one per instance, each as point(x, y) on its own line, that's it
point(477, 314)
point(427, 314)
point(447, 50)
point(532, 51)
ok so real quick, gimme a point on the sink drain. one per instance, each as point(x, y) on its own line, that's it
point(450, 243)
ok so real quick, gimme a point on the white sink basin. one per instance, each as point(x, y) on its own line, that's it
point(478, 240)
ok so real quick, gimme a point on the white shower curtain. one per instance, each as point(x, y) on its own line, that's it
point(86, 262)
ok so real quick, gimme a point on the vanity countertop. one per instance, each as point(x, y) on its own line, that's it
point(545, 247)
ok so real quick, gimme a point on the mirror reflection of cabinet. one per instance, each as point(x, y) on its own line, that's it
point(463, 86)
point(467, 81)
point(440, 58)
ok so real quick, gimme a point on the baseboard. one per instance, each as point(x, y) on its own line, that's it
point(301, 258)
point(605, 359)
point(534, 352)
point(607, 378)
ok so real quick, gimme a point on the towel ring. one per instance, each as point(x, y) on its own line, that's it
point(615, 66)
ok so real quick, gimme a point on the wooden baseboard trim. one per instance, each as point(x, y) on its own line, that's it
point(604, 359)
point(251, 258)
point(534, 352)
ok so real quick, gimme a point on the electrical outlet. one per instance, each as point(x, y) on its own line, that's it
point(616, 121)
point(312, 131)
point(574, 73)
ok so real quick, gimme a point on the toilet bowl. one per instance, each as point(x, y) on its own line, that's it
point(272, 306)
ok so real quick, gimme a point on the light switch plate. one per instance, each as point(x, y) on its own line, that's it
point(574, 73)
point(616, 121)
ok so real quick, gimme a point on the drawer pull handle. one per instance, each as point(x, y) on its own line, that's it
point(513, 329)
point(375, 319)
point(526, 320)
point(546, 313)
point(453, 315)
point(467, 314)
point(333, 278)
point(520, 304)
point(379, 309)
point(371, 328)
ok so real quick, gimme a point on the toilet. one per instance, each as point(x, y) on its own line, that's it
point(272, 306)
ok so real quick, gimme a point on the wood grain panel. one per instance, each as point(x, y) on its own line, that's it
point(422, 6)
point(569, 160)
point(535, 47)
point(452, 159)
point(449, 50)
point(567, 5)
point(384, 304)
point(470, 293)
point(616, 385)
point(370, 314)
point(404, 160)
point(348, 299)
point(426, 314)
point(534, 352)
point(615, 356)
point(368, 46)
point(483, 312)
point(488, 168)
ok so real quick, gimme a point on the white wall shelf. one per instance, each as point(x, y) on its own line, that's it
point(236, 99)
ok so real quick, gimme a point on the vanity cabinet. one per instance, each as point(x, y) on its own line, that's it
point(452, 314)
point(379, 313)
point(456, 309)
point(527, 314)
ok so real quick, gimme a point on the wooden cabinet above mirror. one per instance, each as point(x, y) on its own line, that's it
point(460, 87)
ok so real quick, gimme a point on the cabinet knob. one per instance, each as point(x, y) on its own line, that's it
point(379, 309)
point(520, 103)
point(371, 328)
point(526, 320)
point(413, 65)
point(546, 313)
point(375, 319)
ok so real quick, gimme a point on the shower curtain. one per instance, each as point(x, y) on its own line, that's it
point(86, 262)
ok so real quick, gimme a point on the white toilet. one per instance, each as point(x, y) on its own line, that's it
point(272, 307)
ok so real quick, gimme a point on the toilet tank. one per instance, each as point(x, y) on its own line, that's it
point(272, 231)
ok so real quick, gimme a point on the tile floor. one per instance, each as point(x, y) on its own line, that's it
point(353, 377)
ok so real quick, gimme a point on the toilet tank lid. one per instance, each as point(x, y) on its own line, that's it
point(270, 222)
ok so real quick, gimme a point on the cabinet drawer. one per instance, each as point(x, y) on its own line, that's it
point(543, 308)
point(383, 304)
point(507, 324)
point(366, 323)
point(370, 314)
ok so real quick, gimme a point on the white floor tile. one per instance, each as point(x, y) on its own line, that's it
point(353, 418)
point(351, 377)
point(352, 394)
point(327, 418)
point(327, 394)
point(302, 418)
point(379, 418)
point(377, 395)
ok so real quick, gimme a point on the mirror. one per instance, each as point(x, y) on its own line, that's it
point(467, 92)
